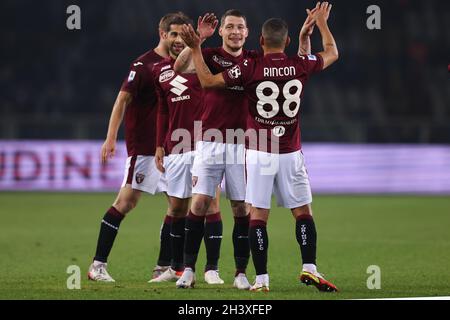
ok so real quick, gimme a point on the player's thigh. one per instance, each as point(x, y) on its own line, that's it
point(179, 176)
point(235, 172)
point(235, 182)
point(214, 206)
point(162, 183)
point(206, 179)
point(259, 182)
point(292, 188)
point(206, 173)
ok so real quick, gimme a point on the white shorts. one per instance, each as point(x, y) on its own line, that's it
point(215, 161)
point(178, 174)
point(283, 174)
point(141, 173)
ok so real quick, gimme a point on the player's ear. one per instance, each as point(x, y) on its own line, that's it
point(220, 31)
point(261, 41)
point(288, 41)
point(162, 34)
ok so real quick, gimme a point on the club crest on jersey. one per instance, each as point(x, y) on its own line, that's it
point(140, 178)
point(279, 131)
point(222, 62)
point(312, 57)
point(235, 72)
point(131, 76)
point(166, 75)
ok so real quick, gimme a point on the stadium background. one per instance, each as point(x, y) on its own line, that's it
point(390, 89)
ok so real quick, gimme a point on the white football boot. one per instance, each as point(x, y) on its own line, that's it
point(187, 279)
point(159, 270)
point(212, 277)
point(241, 282)
point(168, 275)
point(261, 283)
point(97, 272)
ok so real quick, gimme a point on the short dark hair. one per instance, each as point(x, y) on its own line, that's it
point(174, 18)
point(233, 13)
point(275, 32)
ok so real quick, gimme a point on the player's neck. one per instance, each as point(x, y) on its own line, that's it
point(161, 50)
point(231, 52)
point(272, 50)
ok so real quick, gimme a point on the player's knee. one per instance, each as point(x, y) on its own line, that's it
point(302, 211)
point(125, 206)
point(200, 206)
point(178, 211)
point(213, 208)
point(239, 208)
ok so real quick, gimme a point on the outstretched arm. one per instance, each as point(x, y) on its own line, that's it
point(109, 146)
point(330, 52)
point(206, 26)
point(193, 41)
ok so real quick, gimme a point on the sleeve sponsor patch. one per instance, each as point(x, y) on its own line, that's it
point(131, 76)
point(312, 57)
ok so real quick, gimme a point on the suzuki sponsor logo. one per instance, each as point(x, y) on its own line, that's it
point(178, 86)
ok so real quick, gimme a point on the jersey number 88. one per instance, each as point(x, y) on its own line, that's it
point(272, 98)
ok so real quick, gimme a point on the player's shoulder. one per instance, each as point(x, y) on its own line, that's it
point(148, 58)
point(163, 65)
point(309, 61)
point(252, 54)
point(307, 57)
point(211, 50)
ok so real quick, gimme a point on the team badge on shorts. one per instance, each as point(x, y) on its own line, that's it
point(140, 178)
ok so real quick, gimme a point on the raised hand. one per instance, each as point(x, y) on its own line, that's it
point(308, 25)
point(206, 25)
point(190, 37)
point(322, 14)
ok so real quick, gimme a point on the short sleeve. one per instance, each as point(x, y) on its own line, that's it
point(312, 63)
point(135, 79)
point(239, 75)
point(208, 54)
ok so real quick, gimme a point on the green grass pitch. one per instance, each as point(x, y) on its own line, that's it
point(408, 237)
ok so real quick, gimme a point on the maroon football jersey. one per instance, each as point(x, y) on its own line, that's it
point(224, 109)
point(274, 87)
point(140, 114)
point(181, 97)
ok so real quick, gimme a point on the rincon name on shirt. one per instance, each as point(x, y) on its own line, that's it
point(280, 72)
